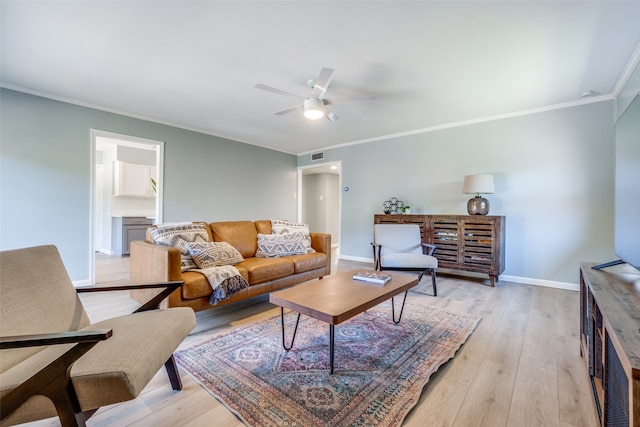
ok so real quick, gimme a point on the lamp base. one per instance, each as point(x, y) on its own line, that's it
point(478, 206)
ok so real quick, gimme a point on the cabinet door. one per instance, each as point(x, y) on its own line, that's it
point(132, 179)
point(131, 233)
point(445, 234)
point(479, 243)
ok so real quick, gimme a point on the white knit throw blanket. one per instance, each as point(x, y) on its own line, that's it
point(224, 280)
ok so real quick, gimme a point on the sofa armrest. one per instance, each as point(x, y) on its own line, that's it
point(151, 263)
point(321, 242)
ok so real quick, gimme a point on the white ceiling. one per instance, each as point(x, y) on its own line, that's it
point(429, 64)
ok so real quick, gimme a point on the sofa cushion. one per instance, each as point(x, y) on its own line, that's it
point(178, 236)
point(196, 284)
point(279, 226)
point(214, 254)
point(242, 235)
point(277, 245)
point(293, 230)
point(266, 269)
point(308, 262)
point(149, 238)
point(263, 226)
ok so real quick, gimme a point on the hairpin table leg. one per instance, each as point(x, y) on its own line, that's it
point(393, 309)
point(332, 334)
point(293, 338)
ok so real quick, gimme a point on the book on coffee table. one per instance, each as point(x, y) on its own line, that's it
point(372, 277)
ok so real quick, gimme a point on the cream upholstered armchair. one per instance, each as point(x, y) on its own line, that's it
point(54, 362)
point(400, 247)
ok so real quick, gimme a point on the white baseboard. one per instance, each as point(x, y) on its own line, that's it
point(81, 283)
point(356, 258)
point(540, 282)
point(516, 279)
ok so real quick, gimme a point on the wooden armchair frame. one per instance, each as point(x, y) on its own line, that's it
point(54, 380)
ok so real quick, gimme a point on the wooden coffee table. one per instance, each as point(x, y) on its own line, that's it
point(335, 299)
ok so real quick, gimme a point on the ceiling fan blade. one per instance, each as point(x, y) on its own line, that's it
point(364, 98)
point(332, 117)
point(278, 91)
point(322, 82)
point(289, 110)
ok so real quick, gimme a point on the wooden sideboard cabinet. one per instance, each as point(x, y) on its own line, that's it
point(463, 242)
point(610, 340)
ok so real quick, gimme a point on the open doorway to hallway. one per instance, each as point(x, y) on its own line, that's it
point(127, 193)
point(319, 201)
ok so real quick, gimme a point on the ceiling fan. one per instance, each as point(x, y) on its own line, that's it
point(314, 106)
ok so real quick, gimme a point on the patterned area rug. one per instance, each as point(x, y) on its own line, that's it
point(380, 368)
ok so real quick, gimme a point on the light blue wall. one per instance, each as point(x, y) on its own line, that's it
point(553, 179)
point(45, 175)
point(553, 171)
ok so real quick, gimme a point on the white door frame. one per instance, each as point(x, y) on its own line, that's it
point(95, 133)
point(99, 189)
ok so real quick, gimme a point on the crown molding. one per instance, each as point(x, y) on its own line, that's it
point(128, 114)
point(560, 106)
point(627, 72)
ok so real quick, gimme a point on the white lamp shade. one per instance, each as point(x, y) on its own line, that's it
point(478, 184)
point(313, 108)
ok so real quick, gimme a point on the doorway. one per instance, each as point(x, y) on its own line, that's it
point(320, 201)
point(126, 182)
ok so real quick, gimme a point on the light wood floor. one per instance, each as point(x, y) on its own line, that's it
point(521, 366)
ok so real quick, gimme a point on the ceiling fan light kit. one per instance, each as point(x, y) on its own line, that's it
point(314, 107)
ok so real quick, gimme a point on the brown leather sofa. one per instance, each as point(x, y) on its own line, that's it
point(151, 262)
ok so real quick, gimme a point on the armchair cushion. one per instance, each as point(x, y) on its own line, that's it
point(398, 238)
point(121, 372)
point(26, 311)
point(409, 260)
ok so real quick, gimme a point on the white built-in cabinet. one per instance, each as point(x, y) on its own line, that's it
point(133, 179)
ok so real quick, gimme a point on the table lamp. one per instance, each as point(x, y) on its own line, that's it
point(478, 184)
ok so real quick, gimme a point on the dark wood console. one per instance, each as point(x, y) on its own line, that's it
point(463, 242)
point(610, 340)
